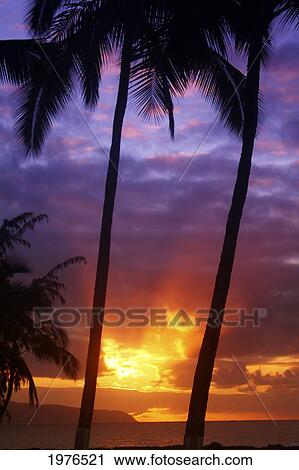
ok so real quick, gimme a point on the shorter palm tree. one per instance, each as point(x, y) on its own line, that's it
point(19, 334)
point(251, 25)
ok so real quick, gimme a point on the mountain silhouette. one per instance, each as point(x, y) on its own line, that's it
point(21, 413)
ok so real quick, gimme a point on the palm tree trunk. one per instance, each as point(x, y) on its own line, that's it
point(194, 433)
point(94, 348)
point(3, 408)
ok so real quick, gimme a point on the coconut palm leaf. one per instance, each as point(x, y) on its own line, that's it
point(48, 288)
point(17, 58)
point(289, 12)
point(50, 352)
point(23, 376)
point(41, 12)
point(151, 96)
point(52, 274)
point(13, 265)
point(223, 86)
point(41, 99)
point(12, 230)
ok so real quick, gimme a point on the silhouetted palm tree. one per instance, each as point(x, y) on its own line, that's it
point(155, 64)
point(250, 22)
point(20, 334)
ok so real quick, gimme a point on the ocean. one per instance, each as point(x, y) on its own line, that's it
point(255, 433)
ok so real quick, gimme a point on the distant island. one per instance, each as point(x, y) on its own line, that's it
point(59, 414)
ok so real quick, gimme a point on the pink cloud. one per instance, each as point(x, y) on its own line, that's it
point(73, 141)
point(131, 132)
point(275, 147)
point(287, 75)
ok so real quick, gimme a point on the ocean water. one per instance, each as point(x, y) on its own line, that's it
point(255, 433)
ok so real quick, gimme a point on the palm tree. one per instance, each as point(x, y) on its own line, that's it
point(19, 312)
point(151, 64)
point(250, 22)
point(100, 25)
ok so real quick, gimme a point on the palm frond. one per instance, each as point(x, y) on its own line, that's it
point(155, 81)
point(31, 223)
point(25, 375)
point(71, 365)
point(40, 100)
point(224, 87)
point(19, 220)
point(59, 268)
point(150, 95)
point(251, 21)
point(288, 10)
point(17, 58)
point(86, 27)
point(12, 266)
point(91, 60)
point(48, 333)
point(40, 13)
point(48, 288)
point(12, 230)
point(51, 352)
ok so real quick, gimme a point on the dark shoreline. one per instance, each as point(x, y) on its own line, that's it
point(212, 446)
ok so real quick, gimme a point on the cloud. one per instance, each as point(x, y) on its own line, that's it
point(167, 234)
point(288, 378)
point(228, 375)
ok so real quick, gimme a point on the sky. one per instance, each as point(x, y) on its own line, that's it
point(167, 235)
